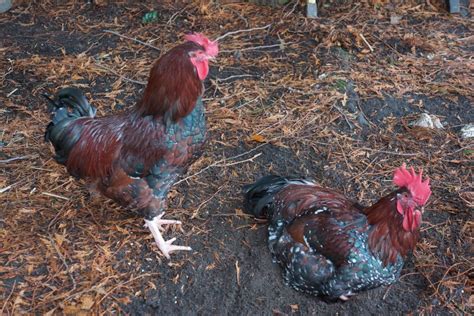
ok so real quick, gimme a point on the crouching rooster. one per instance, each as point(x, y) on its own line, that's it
point(135, 157)
point(331, 246)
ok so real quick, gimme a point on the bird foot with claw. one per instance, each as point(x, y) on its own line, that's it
point(160, 222)
point(166, 246)
point(346, 297)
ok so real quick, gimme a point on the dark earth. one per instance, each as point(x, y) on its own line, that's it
point(230, 270)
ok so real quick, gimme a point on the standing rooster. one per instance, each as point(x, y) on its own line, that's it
point(135, 157)
point(329, 245)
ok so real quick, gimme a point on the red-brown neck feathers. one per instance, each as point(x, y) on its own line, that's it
point(387, 238)
point(173, 86)
point(396, 218)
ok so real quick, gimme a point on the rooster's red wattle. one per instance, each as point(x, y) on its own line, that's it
point(332, 246)
point(135, 157)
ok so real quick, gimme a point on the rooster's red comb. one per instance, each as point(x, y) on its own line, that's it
point(419, 189)
point(211, 47)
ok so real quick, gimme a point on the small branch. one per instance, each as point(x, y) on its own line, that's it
point(292, 10)
point(237, 270)
point(125, 283)
point(239, 162)
point(389, 46)
point(55, 195)
point(344, 115)
point(119, 75)
point(5, 189)
point(8, 298)
point(386, 292)
point(440, 282)
point(242, 31)
point(132, 39)
point(218, 163)
point(174, 16)
point(15, 159)
point(390, 152)
point(366, 42)
point(245, 103)
point(53, 243)
point(195, 213)
point(253, 48)
point(234, 77)
point(10, 94)
point(361, 173)
point(365, 116)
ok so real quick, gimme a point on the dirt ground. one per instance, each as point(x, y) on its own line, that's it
point(329, 99)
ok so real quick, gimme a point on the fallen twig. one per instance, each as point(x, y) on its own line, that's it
point(174, 16)
point(366, 42)
point(238, 162)
point(234, 77)
point(237, 270)
point(344, 115)
point(10, 94)
point(119, 75)
point(242, 31)
point(390, 152)
point(195, 213)
point(132, 39)
point(15, 159)
point(253, 48)
point(55, 195)
point(8, 298)
point(287, 14)
point(125, 283)
point(53, 243)
point(5, 189)
point(217, 163)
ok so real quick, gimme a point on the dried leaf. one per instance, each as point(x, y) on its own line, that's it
point(76, 77)
point(71, 309)
point(27, 211)
point(257, 138)
point(87, 302)
point(122, 230)
point(231, 121)
point(125, 300)
point(50, 313)
point(59, 239)
point(100, 290)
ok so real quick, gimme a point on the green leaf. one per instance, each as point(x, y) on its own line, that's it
point(150, 17)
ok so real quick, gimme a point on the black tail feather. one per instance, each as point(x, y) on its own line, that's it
point(72, 99)
point(259, 195)
point(68, 105)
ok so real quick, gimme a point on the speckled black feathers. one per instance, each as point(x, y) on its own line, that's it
point(319, 237)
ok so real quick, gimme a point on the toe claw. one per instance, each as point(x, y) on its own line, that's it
point(166, 246)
